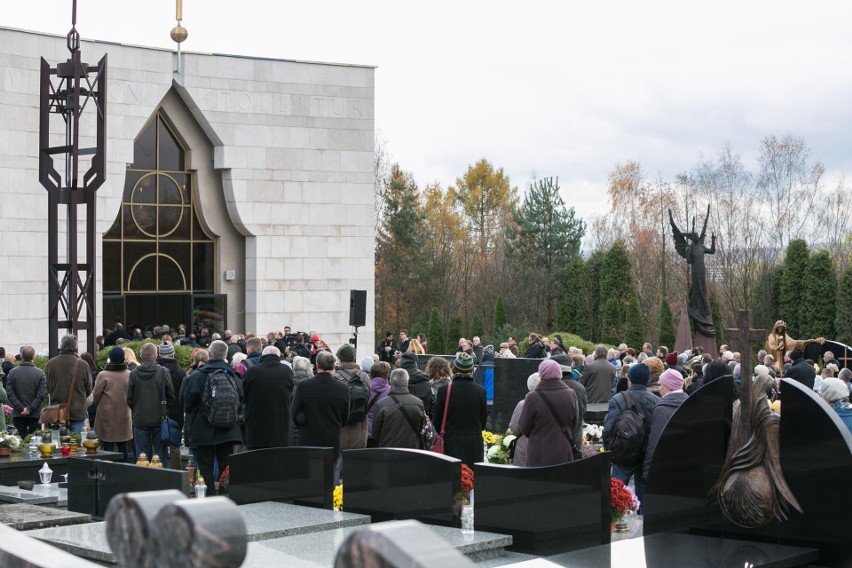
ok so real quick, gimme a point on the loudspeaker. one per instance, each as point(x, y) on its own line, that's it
point(358, 308)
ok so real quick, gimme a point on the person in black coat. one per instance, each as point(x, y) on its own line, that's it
point(418, 382)
point(268, 388)
point(320, 406)
point(801, 370)
point(535, 348)
point(465, 415)
point(210, 443)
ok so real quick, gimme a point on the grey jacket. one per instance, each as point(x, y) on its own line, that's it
point(390, 428)
point(643, 402)
point(26, 387)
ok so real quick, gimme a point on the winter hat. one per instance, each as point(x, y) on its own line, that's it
point(408, 361)
point(116, 355)
point(833, 390)
point(488, 349)
point(463, 364)
point(671, 359)
point(672, 379)
point(346, 353)
point(166, 350)
point(564, 362)
point(367, 363)
point(796, 354)
point(639, 374)
point(549, 369)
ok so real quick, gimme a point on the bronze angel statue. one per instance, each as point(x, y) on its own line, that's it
point(691, 247)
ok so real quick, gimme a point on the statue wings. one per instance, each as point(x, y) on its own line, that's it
point(679, 238)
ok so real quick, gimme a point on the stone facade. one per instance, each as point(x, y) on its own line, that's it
point(284, 157)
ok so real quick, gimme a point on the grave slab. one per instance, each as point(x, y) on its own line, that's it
point(669, 549)
point(295, 474)
point(39, 495)
point(22, 466)
point(23, 516)
point(264, 521)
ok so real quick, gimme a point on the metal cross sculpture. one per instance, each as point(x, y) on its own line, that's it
point(69, 90)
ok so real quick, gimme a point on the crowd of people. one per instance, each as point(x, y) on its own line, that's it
point(291, 388)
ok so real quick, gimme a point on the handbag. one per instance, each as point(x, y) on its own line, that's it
point(425, 433)
point(61, 413)
point(576, 453)
point(438, 441)
point(169, 430)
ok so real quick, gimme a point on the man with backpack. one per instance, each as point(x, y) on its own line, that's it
point(626, 428)
point(212, 397)
point(150, 384)
point(354, 432)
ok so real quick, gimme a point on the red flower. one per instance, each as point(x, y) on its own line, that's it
point(466, 479)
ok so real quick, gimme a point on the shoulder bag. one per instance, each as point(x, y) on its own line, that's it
point(565, 430)
point(169, 430)
point(438, 441)
point(61, 413)
point(425, 432)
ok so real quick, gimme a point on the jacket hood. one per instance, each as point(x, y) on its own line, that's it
point(147, 370)
point(408, 362)
point(417, 376)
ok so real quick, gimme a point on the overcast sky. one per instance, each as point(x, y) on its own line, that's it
point(559, 88)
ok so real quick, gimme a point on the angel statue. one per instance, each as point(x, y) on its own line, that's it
point(691, 247)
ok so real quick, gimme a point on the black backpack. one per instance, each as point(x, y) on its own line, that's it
point(359, 396)
point(220, 400)
point(629, 436)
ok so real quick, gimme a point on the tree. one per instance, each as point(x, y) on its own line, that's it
point(634, 332)
point(543, 237)
point(843, 322)
point(454, 333)
point(766, 296)
point(790, 298)
point(717, 320)
point(476, 327)
point(666, 332)
point(590, 294)
point(435, 333)
point(499, 314)
point(819, 300)
point(615, 281)
point(571, 306)
point(613, 332)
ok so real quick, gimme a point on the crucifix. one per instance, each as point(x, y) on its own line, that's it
point(743, 336)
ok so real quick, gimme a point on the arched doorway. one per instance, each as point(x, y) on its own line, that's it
point(158, 259)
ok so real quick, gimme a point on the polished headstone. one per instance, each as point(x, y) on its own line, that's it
point(18, 550)
point(816, 458)
point(22, 466)
point(510, 387)
point(545, 509)
point(23, 516)
point(92, 483)
point(40, 494)
point(669, 549)
point(393, 484)
point(300, 475)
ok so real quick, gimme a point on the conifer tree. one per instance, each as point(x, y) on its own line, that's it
point(666, 332)
point(454, 333)
point(819, 300)
point(792, 288)
point(718, 324)
point(435, 334)
point(476, 327)
point(571, 306)
point(612, 330)
point(634, 332)
point(843, 322)
point(499, 314)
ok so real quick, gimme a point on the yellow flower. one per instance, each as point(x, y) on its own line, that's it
point(488, 437)
point(337, 497)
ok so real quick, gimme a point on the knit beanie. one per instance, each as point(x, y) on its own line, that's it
point(796, 354)
point(116, 355)
point(346, 353)
point(639, 374)
point(366, 363)
point(463, 364)
point(166, 350)
point(549, 369)
point(671, 359)
point(408, 361)
point(833, 390)
point(672, 379)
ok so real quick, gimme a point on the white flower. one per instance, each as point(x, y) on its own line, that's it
point(493, 451)
point(508, 440)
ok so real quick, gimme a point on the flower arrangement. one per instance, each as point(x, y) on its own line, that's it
point(622, 500)
point(498, 446)
point(592, 433)
point(463, 496)
point(7, 410)
point(337, 498)
point(10, 441)
point(225, 479)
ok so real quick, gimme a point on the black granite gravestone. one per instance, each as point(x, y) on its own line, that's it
point(394, 484)
point(816, 459)
point(295, 474)
point(92, 483)
point(546, 509)
point(842, 353)
point(510, 386)
point(22, 466)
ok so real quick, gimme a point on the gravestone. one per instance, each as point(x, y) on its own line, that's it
point(743, 337)
point(510, 387)
point(546, 509)
point(394, 484)
point(20, 551)
point(842, 352)
point(21, 466)
point(295, 474)
point(24, 517)
point(816, 458)
point(92, 483)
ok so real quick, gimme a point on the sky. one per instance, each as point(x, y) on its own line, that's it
point(559, 88)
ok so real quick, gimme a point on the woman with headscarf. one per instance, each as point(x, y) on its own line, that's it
point(379, 389)
point(549, 415)
point(520, 457)
point(836, 394)
point(114, 424)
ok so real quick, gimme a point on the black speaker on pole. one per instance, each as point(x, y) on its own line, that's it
point(358, 308)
